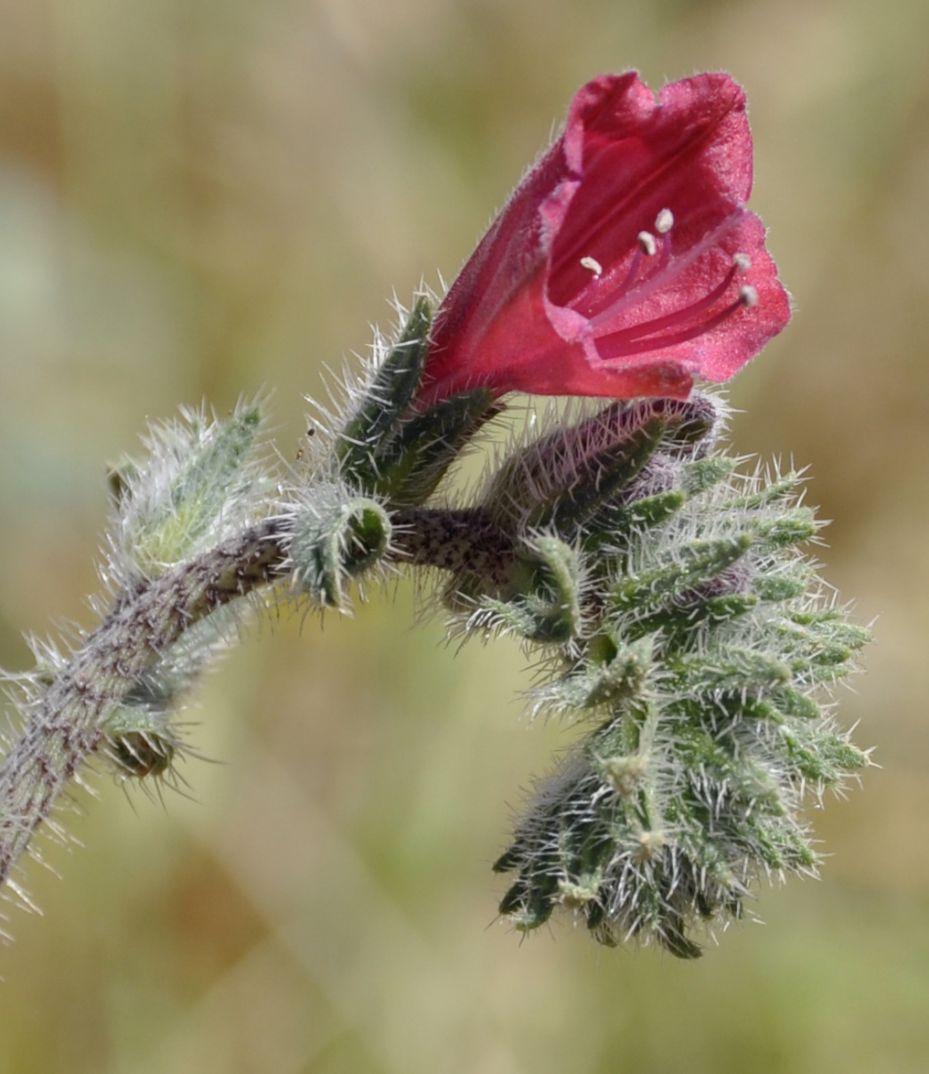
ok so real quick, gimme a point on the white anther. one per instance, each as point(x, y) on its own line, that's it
point(742, 262)
point(647, 242)
point(748, 296)
point(593, 264)
point(664, 221)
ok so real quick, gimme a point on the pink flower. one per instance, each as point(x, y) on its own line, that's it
point(625, 263)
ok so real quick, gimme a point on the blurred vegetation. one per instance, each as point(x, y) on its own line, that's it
point(197, 200)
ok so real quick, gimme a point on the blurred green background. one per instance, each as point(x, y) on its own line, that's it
point(198, 199)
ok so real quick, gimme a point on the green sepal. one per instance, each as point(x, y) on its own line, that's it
point(825, 758)
point(386, 401)
point(543, 596)
point(679, 620)
point(390, 450)
point(527, 906)
point(138, 738)
point(706, 709)
point(795, 703)
point(783, 488)
point(612, 528)
point(792, 527)
point(412, 463)
point(776, 844)
point(703, 474)
point(674, 940)
point(831, 627)
point(328, 548)
point(776, 588)
point(509, 859)
point(719, 770)
point(729, 670)
point(688, 566)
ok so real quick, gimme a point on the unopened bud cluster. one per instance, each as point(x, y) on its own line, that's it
point(686, 629)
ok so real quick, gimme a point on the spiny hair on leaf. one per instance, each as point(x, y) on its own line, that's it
point(202, 479)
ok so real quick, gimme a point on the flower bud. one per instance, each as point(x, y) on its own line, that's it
point(572, 477)
point(701, 660)
point(390, 447)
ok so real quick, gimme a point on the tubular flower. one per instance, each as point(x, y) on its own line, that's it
point(625, 263)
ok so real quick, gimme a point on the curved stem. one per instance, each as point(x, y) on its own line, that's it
point(63, 725)
point(454, 540)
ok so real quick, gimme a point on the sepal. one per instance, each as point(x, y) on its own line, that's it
point(542, 601)
point(333, 539)
point(386, 400)
point(392, 449)
point(411, 464)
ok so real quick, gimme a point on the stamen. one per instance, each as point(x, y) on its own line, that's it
point(742, 262)
point(648, 243)
point(655, 325)
point(664, 221)
point(610, 299)
point(641, 338)
point(619, 345)
point(593, 264)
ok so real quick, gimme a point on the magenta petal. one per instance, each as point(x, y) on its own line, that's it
point(624, 264)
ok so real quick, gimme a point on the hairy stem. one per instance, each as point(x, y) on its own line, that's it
point(63, 726)
point(65, 723)
point(454, 540)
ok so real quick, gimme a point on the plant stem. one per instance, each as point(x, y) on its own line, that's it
point(63, 725)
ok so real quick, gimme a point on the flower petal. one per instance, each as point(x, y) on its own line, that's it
point(625, 263)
